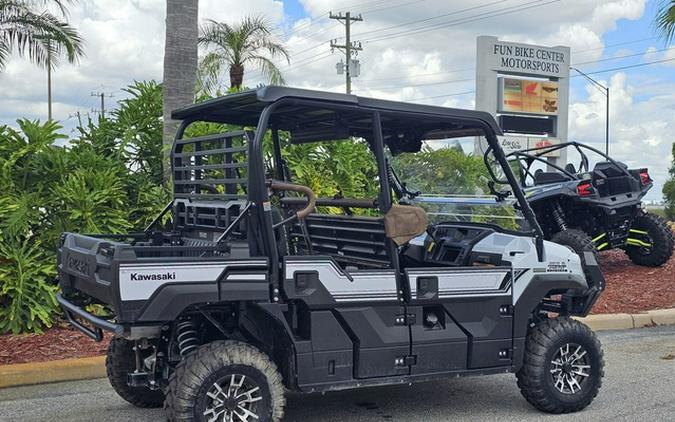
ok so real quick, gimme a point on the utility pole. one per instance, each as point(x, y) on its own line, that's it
point(49, 79)
point(102, 95)
point(351, 68)
point(78, 115)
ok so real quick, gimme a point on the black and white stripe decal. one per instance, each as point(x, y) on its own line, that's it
point(140, 281)
point(367, 285)
point(464, 282)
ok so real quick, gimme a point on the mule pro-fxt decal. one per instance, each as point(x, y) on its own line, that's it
point(139, 282)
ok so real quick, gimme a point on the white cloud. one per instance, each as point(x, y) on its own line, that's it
point(640, 130)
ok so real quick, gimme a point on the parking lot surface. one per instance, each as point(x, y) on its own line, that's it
point(638, 385)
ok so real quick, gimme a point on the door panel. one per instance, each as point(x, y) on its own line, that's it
point(379, 341)
point(463, 317)
point(353, 311)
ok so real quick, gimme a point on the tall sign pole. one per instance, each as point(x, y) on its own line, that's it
point(348, 47)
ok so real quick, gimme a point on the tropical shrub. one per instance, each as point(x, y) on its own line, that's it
point(106, 179)
point(27, 299)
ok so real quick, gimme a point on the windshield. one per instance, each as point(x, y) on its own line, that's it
point(455, 186)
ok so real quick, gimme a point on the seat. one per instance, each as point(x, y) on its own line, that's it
point(569, 167)
point(545, 177)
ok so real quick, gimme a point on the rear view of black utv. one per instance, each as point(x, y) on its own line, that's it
point(594, 209)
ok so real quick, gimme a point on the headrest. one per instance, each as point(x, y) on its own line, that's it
point(405, 222)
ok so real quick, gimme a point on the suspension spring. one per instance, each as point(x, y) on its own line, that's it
point(559, 216)
point(187, 337)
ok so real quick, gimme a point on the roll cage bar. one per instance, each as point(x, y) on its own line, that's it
point(258, 192)
point(527, 157)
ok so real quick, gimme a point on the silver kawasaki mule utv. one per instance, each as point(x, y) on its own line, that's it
point(257, 285)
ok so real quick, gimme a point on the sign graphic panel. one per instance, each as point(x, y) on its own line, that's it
point(528, 96)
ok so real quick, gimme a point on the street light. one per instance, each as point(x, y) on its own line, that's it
point(604, 90)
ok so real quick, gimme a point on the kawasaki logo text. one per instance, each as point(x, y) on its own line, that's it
point(152, 277)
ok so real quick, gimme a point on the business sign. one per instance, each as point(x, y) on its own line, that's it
point(525, 88)
point(528, 96)
point(528, 59)
point(518, 143)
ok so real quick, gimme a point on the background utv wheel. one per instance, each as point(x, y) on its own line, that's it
point(578, 240)
point(121, 360)
point(563, 366)
point(226, 381)
point(652, 241)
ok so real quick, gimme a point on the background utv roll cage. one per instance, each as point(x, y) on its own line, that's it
point(527, 157)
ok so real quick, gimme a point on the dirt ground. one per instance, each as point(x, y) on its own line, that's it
point(629, 289)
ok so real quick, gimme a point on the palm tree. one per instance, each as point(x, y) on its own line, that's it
point(249, 42)
point(180, 65)
point(665, 19)
point(41, 35)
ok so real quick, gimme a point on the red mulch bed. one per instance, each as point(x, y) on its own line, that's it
point(61, 342)
point(630, 289)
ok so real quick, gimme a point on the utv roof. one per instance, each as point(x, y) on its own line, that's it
point(329, 109)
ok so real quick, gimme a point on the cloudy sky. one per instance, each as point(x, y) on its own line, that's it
point(413, 50)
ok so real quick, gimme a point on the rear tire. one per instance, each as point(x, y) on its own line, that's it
point(578, 240)
point(658, 234)
point(119, 362)
point(563, 366)
point(224, 377)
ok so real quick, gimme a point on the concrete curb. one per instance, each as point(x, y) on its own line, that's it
point(599, 322)
point(52, 371)
point(94, 367)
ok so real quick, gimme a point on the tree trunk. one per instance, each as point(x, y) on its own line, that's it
point(180, 66)
point(236, 75)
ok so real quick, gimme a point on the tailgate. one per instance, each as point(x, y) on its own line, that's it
point(85, 264)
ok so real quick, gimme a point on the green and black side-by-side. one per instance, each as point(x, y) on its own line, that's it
point(256, 285)
point(594, 209)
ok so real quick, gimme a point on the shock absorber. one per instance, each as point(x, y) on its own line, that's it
point(187, 337)
point(559, 215)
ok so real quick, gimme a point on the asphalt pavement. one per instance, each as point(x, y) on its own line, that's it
point(638, 385)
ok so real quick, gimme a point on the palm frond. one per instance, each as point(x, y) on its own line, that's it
point(664, 22)
point(209, 72)
point(268, 69)
point(37, 35)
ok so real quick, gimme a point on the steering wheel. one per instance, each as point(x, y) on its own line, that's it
point(292, 187)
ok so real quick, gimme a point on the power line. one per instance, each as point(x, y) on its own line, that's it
point(480, 16)
point(642, 53)
point(442, 96)
point(431, 83)
point(454, 12)
point(627, 67)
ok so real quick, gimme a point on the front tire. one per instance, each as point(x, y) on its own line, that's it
point(563, 366)
point(120, 361)
point(225, 381)
point(652, 230)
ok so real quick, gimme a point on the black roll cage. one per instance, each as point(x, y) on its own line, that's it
point(531, 155)
point(258, 194)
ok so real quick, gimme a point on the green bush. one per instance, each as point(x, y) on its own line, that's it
point(26, 292)
point(106, 179)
